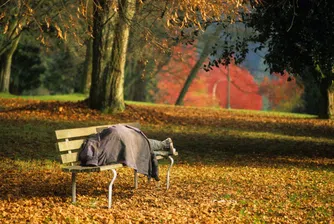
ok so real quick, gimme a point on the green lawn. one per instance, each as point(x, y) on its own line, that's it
point(67, 97)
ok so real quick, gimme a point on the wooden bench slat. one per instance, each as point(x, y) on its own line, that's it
point(69, 157)
point(73, 157)
point(80, 169)
point(76, 132)
point(81, 132)
point(111, 166)
point(70, 141)
point(70, 145)
point(164, 153)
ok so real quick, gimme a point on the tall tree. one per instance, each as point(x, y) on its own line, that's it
point(39, 17)
point(108, 71)
point(220, 37)
point(12, 22)
point(111, 32)
point(86, 76)
point(147, 32)
point(209, 38)
point(299, 35)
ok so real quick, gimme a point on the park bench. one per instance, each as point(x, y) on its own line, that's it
point(69, 142)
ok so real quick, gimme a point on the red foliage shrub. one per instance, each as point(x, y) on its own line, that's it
point(208, 88)
point(282, 91)
point(243, 89)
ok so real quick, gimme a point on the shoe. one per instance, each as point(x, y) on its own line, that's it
point(170, 146)
point(172, 150)
point(167, 143)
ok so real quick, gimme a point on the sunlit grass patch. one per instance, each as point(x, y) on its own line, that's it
point(78, 97)
point(65, 97)
point(273, 113)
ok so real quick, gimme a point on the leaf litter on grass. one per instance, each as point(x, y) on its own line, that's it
point(232, 168)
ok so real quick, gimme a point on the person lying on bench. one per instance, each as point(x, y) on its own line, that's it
point(127, 145)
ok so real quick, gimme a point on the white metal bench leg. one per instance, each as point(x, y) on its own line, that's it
point(169, 168)
point(74, 188)
point(110, 188)
point(135, 179)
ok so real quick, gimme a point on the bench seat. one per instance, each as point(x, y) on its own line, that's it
point(68, 144)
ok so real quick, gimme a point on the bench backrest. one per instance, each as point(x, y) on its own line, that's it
point(69, 141)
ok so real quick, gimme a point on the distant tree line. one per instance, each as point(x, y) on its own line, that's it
point(112, 50)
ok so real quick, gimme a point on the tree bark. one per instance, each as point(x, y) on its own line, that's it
point(331, 103)
point(113, 100)
point(209, 39)
point(10, 41)
point(5, 65)
point(103, 27)
point(111, 33)
point(88, 67)
point(192, 74)
point(325, 105)
point(86, 77)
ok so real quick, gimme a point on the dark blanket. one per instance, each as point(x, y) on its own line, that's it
point(120, 144)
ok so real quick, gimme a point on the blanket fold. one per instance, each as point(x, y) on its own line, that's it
point(120, 144)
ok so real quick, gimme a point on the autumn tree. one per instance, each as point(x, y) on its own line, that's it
point(218, 37)
point(40, 18)
point(142, 66)
point(208, 39)
point(299, 37)
point(86, 76)
point(14, 16)
point(282, 91)
point(209, 88)
point(27, 66)
point(234, 87)
point(112, 22)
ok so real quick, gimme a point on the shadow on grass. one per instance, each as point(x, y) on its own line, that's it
point(260, 122)
point(231, 150)
point(44, 184)
point(35, 140)
point(287, 126)
point(222, 119)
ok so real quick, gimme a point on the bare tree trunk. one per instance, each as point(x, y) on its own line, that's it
point(103, 22)
point(114, 78)
point(8, 46)
point(210, 38)
point(5, 65)
point(325, 103)
point(86, 77)
point(203, 56)
point(331, 103)
point(87, 72)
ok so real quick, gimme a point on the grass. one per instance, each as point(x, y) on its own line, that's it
point(233, 167)
point(79, 97)
point(65, 97)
